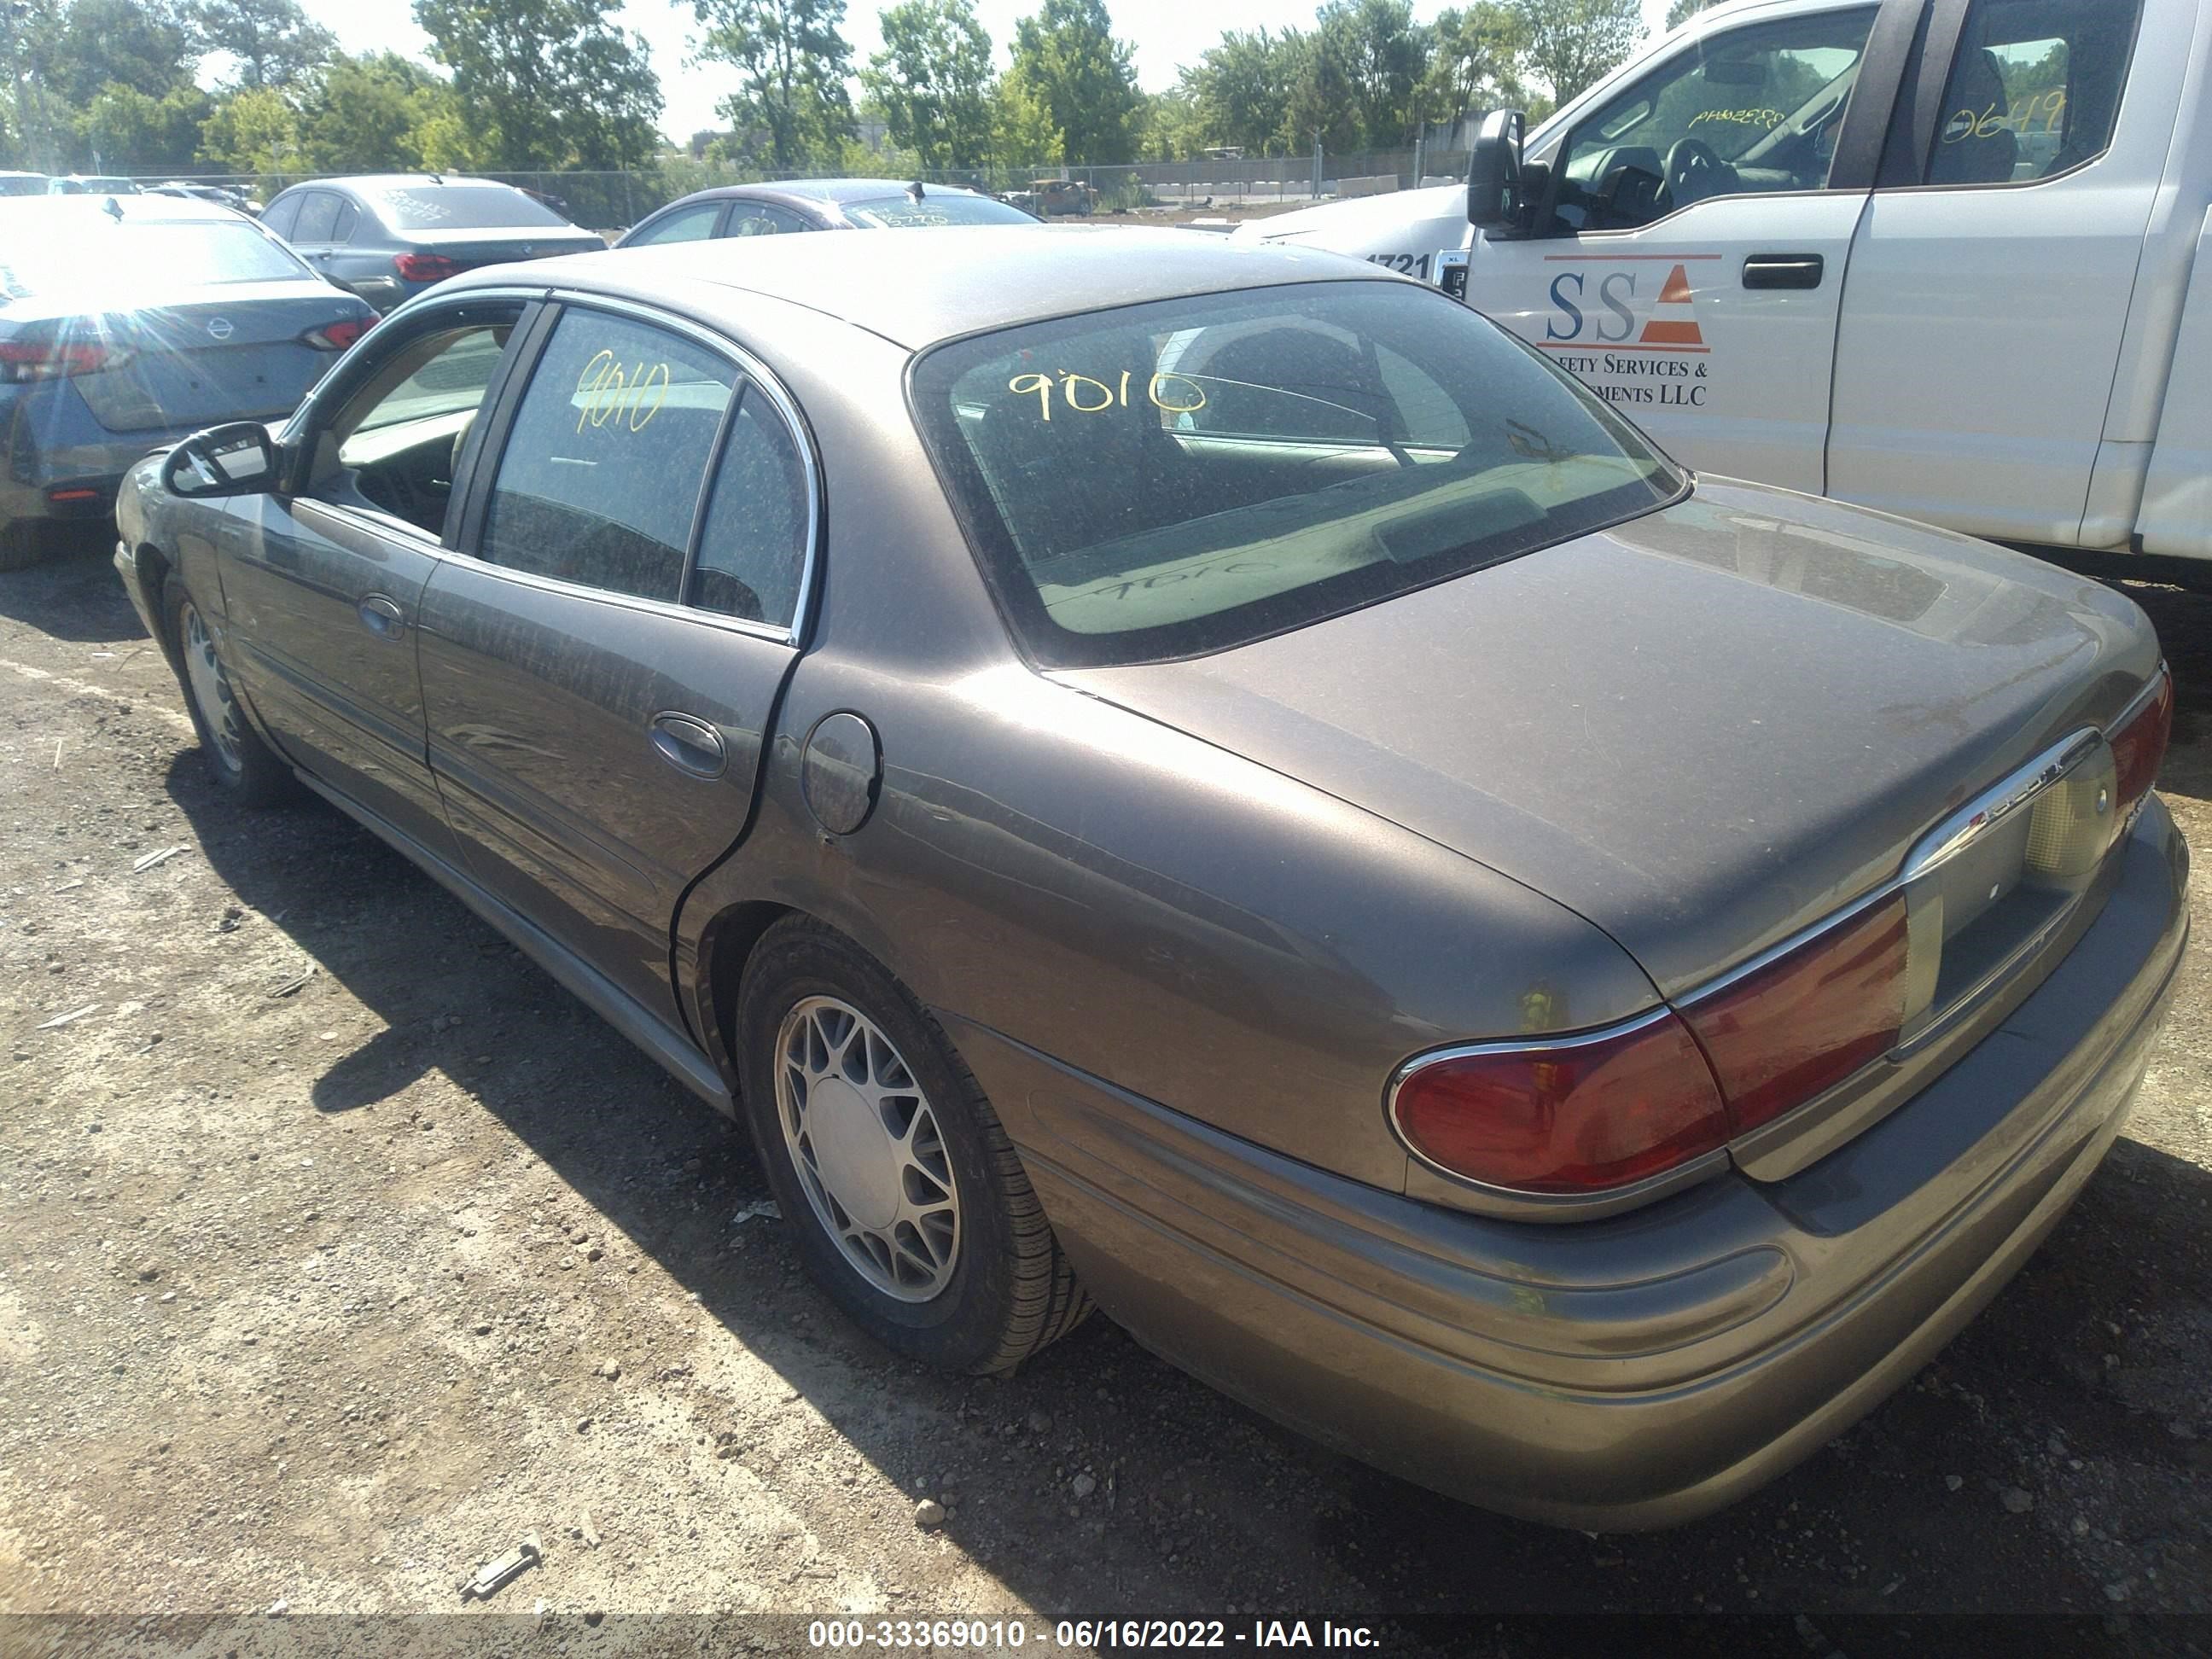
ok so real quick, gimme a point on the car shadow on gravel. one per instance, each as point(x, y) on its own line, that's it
point(1102, 1481)
point(74, 594)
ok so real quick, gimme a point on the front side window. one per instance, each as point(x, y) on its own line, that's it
point(392, 445)
point(1756, 109)
point(283, 213)
point(1188, 475)
point(2034, 89)
point(602, 471)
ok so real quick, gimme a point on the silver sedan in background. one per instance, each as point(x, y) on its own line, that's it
point(125, 322)
point(1210, 780)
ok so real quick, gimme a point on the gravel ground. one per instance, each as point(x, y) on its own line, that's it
point(344, 1249)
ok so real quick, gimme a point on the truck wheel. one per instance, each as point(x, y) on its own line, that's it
point(243, 765)
point(24, 543)
point(909, 1204)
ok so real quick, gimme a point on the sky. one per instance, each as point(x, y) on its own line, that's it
point(1166, 33)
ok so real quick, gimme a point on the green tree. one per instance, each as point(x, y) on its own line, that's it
point(371, 113)
point(1067, 57)
point(792, 59)
point(1169, 127)
point(255, 130)
point(1475, 63)
point(1023, 133)
point(1242, 87)
point(140, 43)
point(1682, 10)
point(1572, 43)
point(547, 83)
point(126, 131)
point(933, 79)
point(274, 43)
point(1383, 56)
point(1319, 108)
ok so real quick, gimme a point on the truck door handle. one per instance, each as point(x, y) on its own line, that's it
point(689, 745)
point(1783, 271)
point(382, 616)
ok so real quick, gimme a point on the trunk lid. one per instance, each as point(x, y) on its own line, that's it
point(231, 353)
point(468, 249)
point(1703, 730)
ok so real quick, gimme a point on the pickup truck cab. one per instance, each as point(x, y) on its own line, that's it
point(1947, 257)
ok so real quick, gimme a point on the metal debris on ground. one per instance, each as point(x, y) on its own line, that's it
point(295, 982)
point(73, 1015)
point(152, 859)
point(494, 1573)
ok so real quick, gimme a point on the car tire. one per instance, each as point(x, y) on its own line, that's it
point(24, 543)
point(241, 765)
point(975, 1289)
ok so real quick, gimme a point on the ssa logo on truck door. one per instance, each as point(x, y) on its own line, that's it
point(1628, 327)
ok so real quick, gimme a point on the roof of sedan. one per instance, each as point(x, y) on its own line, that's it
point(825, 189)
point(948, 282)
point(75, 210)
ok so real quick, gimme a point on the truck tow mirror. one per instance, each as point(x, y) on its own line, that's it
point(1493, 172)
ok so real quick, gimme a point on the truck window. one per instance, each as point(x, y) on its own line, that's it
point(2033, 90)
point(1753, 109)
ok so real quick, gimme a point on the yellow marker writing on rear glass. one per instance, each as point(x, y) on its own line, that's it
point(1161, 391)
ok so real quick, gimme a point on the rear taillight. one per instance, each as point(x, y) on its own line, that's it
point(337, 337)
point(1791, 1028)
point(424, 267)
point(1567, 1115)
point(25, 359)
point(2139, 743)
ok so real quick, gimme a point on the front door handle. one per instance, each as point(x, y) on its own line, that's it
point(382, 616)
point(1784, 270)
point(689, 745)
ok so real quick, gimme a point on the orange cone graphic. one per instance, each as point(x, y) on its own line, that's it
point(1676, 331)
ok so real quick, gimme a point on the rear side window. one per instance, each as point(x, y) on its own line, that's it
point(2034, 89)
point(317, 217)
point(761, 219)
point(754, 543)
point(349, 216)
point(602, 471)
point(1169, 479)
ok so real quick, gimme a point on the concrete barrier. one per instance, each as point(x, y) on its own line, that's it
point(1381, 184)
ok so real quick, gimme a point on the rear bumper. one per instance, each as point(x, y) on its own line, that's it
point(1638, 1371)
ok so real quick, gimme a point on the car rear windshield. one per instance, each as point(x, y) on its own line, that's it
point(460, 207)
point(1184, 476)
point(907, 213)
point(96, 254)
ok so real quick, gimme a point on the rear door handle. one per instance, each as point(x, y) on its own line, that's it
point(689, 745)
point(1784, 270)
point(382, 616)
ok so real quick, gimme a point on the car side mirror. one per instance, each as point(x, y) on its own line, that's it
point(237, 459)
point(1493, 172)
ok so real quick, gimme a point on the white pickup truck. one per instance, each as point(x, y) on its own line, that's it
point(1947, 258)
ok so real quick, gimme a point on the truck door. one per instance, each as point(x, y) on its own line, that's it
point(1689, 254)
point(1990, 278)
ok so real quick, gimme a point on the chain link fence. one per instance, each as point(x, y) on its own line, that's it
point(613, 201)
